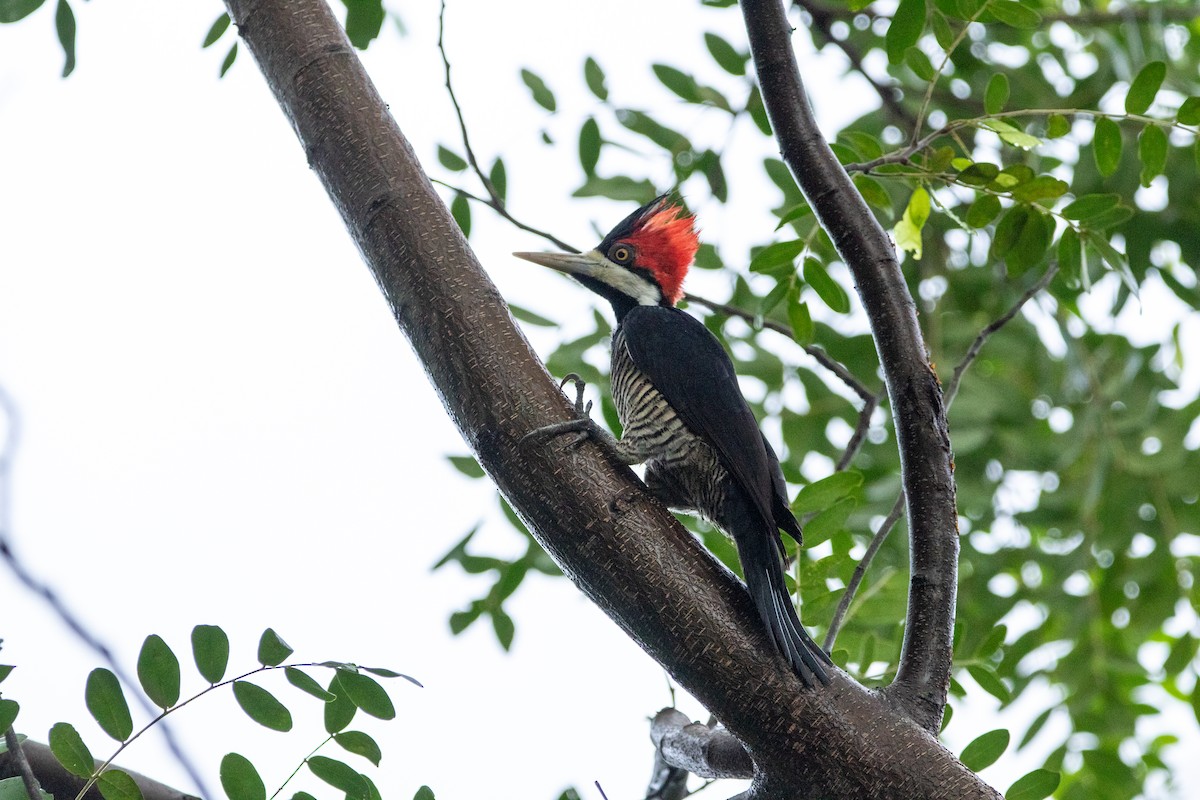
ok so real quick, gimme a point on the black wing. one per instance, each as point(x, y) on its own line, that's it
point(686, 363)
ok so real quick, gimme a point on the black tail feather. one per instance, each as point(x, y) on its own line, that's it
point(765, 580)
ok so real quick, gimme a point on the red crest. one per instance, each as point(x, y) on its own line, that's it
point(664, 236)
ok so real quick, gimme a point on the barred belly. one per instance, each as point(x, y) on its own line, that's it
point(681, 469)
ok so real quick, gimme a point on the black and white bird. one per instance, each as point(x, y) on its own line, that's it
point(683, 414)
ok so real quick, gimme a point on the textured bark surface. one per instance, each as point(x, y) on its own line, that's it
point(62, 784)
point(918, 410)
point(616, 543)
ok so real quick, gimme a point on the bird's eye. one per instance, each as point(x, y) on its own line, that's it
point(621, 254)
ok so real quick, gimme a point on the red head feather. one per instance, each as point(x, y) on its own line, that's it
point(664, 236)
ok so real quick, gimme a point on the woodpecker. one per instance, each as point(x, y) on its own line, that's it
point(683, 414)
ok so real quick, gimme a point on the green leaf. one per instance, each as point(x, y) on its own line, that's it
point(798, 212)
point(262, 707)
point(529, 318)
point(341, 709)
point(364, 20)
point(589, 146)
point(985, 749)
point(1010, 134)
point(1106, 146)
point(996, 93)
point(618, 187)
point(1043, 187)
point(340, 776)
point(116, 784)
point(540, 91)
point(504, 627)
point(424, 793)
point(272, 649)
point(725, 54)
point(593, 75)
point(775, 256)
point(1113, 258)
point(499, 179)
point(216, 31)
point(907, 24)
point(240, 779)
point(678, 81)
point(1015, 14)
point(5, 669)
point(210, 649)
point(158, 672)
point(306, 683)
point(360, 744)
point(64, 25)
point(874, 193)
point(1152, 152)
point(824, 493)
point(16, 10)
point(1144, 87)
point(367, 694)
point(828, 522)
point(1033, 240)
point(1196, 700)
point(985, 209)
point(919, 63)
point(1057, 126)
point(230, 57)
point(1090, 205)
point(384, 672)
point(8, 713)
point(803, 329)
point(1189, 112)
point(907, 231)
point(829, 290)
point(68, 747)
point(1070, 255)
point(467, 465)
point(106, 703)
point(1036, 785)
point(986, 677)
point(450, 159)
point(460, 210)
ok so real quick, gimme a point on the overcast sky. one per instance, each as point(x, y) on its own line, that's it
point(221, 423)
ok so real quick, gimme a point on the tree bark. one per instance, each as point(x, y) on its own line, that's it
point(56, 780)
point(918, 410)
point(622, 548)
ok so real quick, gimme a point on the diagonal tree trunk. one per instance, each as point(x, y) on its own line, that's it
point(616, 543)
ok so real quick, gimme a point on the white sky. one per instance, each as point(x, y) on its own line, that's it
point(223, 425)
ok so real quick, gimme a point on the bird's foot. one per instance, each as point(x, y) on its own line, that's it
point(581, 428)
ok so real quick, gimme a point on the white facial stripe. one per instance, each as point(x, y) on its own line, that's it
point(644, 291)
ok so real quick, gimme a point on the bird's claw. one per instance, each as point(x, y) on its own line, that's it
point(581, 408)
point(581, 427)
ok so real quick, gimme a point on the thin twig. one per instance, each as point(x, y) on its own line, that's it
point(997, 324)
point(32, 787)
point(8, 410)
point(860, 431)
point(843, 606)
point(496, 202)
point(823, 19)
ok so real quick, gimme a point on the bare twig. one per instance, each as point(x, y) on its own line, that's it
point(843, 606)
point(977, 345)
point(495, 201)
point(32, 788)
point(8, 409)
point(823, 19)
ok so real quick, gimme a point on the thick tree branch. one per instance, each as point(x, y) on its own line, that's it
point(916, 398)
point(56, 780)
point(622, 548)
point(697, 748)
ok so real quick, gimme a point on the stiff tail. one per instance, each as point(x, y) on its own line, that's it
point(764, 579)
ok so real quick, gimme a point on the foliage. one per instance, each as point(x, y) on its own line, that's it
point(351, 689)
point(1075, 447)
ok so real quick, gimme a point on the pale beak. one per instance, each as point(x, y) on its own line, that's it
point(570, 263)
